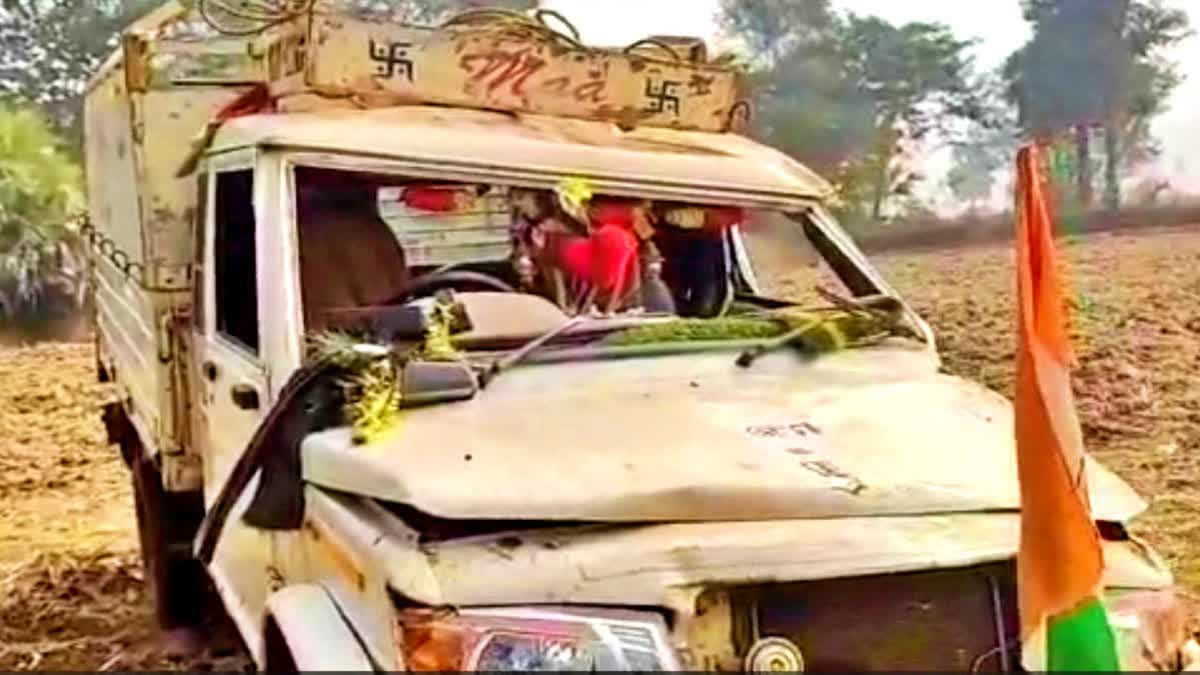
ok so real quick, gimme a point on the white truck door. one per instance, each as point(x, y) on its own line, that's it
point(231, 380)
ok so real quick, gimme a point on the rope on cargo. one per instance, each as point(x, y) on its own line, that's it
point(654, 43)
point(539, 13)
point(733, 109)
point(267, 14)
point(507, 18)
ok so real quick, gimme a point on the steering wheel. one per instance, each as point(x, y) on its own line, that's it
point(443, 278)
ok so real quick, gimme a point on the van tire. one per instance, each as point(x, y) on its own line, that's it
point(167, 523)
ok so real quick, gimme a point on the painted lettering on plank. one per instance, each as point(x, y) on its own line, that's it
point(498, 68)
point(588, 92)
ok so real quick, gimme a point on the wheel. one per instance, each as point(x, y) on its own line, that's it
point(166, 524)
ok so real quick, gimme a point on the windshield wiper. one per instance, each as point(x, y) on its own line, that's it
point(880, 305)
point(513, 358)
point(751, 354)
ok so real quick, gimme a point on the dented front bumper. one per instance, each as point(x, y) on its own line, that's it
point(1151, 631)
point(1147, 617)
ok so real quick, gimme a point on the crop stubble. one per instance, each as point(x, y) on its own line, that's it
point(71, 593)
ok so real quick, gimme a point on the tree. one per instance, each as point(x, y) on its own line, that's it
point(986, 149)
point(49, 49)
point(976, 163)
point(806, 106)
point(918, 76)
point(773, 29)
point(1150, 28)
point(851, 96)
point(40, 190)
point(797, 66)
point(1096, 63)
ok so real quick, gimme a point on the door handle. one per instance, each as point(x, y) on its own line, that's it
point(244, 396)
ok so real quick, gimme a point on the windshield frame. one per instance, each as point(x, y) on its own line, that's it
point(831, 242)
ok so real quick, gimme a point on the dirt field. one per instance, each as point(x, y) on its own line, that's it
point(71, 595)
point(1136, 335)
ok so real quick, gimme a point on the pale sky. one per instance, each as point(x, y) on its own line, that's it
point(996, 23)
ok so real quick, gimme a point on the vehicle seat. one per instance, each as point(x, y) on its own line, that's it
point(348, 258)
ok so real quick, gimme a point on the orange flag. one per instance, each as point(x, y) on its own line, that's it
point(1059, 567)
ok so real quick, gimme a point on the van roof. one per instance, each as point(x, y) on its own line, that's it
point(538, 151)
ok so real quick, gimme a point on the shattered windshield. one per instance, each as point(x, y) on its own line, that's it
point(370, 241)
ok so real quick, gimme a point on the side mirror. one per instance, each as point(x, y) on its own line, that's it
point(405, 322)
point(395, 323)
point(383, 323)
point(428, 382)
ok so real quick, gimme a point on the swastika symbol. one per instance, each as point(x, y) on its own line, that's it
point(662, 98)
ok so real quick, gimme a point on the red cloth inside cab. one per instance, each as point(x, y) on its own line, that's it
point(607, 259)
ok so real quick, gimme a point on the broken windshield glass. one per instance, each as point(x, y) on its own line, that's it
point(722, 272)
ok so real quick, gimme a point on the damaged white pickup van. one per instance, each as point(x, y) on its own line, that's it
point(588, 410)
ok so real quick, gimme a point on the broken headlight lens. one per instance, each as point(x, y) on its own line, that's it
point(533, 639)
point(516, 651)
point(1151, 628)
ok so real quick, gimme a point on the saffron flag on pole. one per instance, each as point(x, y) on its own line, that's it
point(1064, 625)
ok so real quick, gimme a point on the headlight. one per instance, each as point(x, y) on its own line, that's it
point(1150, 626)
point(532, 639)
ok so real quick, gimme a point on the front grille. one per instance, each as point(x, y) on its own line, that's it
point(932, 621)
point(634, 636)
point(638, 647)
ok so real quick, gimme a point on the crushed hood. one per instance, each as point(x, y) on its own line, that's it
point(865, 432)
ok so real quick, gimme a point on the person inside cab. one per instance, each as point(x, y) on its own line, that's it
point(349, 257)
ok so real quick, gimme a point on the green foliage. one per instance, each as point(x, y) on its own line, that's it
point(1096, 63)
point(849, 95)
point(693, 330)
point(772, 29)
point(372, 396)
point(369, 380)
point(985, 151)
point(49, 49)
point(438, 345)
point(40, 190)
point(344, 350)
point(918, 73)
point(370, 372)
point(820, 331)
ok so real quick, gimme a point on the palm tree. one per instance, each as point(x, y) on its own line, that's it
point(40, 191)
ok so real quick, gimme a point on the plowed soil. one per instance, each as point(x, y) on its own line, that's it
point(71, 588)
point(1136, 334)
point(71, 591)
